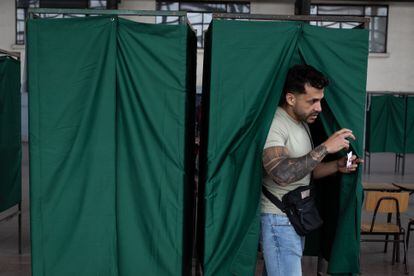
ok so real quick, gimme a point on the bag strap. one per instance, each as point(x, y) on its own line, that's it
point(279, 204)
point(313, 147)
point(306, 127)
point(311, 178)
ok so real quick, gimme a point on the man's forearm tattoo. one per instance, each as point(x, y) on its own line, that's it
point(285, 170)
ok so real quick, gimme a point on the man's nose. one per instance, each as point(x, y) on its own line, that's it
point(318, 107)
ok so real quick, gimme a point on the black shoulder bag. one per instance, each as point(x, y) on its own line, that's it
point(299, 206)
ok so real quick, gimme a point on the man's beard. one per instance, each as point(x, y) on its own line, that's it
point(312, 118)
point(307, 117)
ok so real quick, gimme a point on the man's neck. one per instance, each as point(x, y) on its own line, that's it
point(290, 112)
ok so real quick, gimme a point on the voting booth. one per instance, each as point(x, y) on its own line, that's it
point(245, 66)
point(111, 162)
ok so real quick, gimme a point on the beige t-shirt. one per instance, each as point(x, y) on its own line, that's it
point(293, 135)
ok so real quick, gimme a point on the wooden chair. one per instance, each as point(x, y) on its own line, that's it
point(387, 203)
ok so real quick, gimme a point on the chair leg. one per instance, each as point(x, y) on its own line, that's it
point(369, 163)
point(405, 255)
point(393, 252)
point(386, 244)
point(407, 243)
point(20, 228)
point(397, 245)
point(389, 217)
point(396, 164)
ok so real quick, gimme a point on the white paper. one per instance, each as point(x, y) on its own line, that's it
point(349, 161)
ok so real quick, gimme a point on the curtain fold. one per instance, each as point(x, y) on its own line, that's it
point(341, 55)
point(152, 100)
point(72, 145)
point(409, 134)
point(10, 133)
point(247, 61)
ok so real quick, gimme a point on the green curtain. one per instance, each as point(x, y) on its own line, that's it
point(341, 55)
point(386, 124)
point(243, 93)
point(10, 133)
point(248, 65)
point(108, 112)
point(409, 134)
point(153, 178)
point(71, 74)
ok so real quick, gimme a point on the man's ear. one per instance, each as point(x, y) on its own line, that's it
point(290, 99)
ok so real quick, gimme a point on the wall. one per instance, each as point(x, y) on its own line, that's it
point(273, 7)
point(138, 5)
point(394, 70)
point(7, 24)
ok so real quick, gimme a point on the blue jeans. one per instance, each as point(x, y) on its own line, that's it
point(282, 246)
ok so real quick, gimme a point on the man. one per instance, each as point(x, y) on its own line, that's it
point(289, 159)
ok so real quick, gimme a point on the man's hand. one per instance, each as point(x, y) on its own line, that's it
point(341, 164)
point(338, 140)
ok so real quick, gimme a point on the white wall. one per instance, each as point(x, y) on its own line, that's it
point(138, 5)
point(394, 71)
point(7, 24)
point(273, 7)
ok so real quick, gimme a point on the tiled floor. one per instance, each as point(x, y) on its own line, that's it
point(373, 260)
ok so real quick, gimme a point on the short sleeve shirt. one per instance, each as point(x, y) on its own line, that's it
point(285, 132)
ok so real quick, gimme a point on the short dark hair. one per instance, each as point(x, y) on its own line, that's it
point(301, 74)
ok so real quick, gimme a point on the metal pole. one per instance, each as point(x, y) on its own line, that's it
point(394, 93)
point(364, 20)
point(107, 12)
point(20, 227)
point(405, 132)
point(302, 7)
point(12, 54)
point(369, 117)
point(365, 127)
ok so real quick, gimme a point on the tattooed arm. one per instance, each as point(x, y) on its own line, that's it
point(325, 169)
point(285, 170)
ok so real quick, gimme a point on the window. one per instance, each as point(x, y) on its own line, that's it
point(199, 14)
point(378, 15)
point(22, 7)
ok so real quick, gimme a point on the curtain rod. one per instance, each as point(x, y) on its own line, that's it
point(108, 12)
point(364, 20)
point(398, 93)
